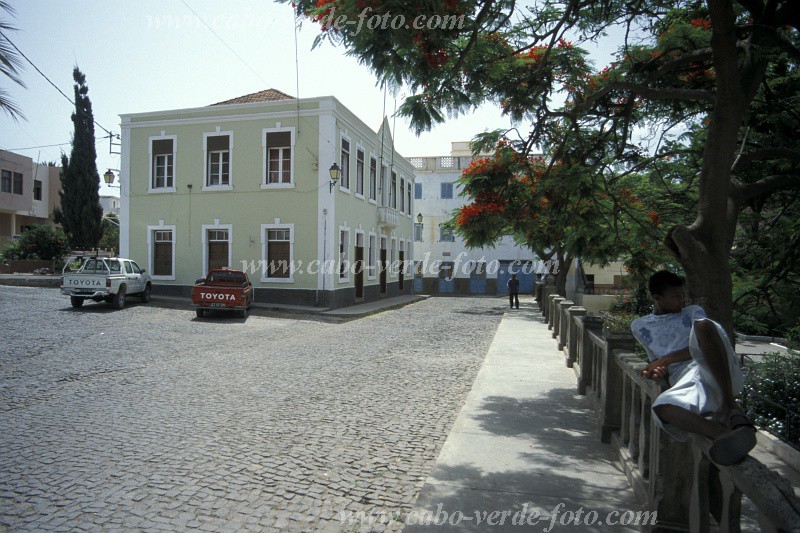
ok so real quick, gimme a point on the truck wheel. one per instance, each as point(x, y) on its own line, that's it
point(243, 313)
point(75, 301)
point(199, 312)
point(119, 299)
point(145, 296)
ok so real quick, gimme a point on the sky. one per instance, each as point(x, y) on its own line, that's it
point(153, 55)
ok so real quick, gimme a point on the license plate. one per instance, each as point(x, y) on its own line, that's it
point(215, 304)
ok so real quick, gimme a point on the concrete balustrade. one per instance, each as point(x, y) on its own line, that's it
point(553, 317)
point(677, 479)
point(563, 324)
point(571, 347)
point(548, 311)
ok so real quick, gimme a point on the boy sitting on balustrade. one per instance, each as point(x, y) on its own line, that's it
point(696, 358)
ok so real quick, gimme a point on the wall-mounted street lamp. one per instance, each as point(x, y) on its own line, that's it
point(336, 173)
point(108, 177)
point(419, 218)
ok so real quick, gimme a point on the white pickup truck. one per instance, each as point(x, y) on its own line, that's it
point(108, 279)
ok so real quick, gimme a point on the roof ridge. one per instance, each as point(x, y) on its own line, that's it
point(266, 95)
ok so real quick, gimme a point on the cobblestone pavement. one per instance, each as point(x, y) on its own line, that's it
point(150, 419)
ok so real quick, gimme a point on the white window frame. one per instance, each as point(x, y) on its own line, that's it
point(206, 135)
point(151, 256)
point(346, 277)
point(420, 226)
point(372, 256)
point(203, 241)
point(393, 182)
point(401, 205)
point(364, 171)
point(265, 149)
point(265, 260)
point(150, 177)
point(373, 157)
point(344, 137)
point(364, 244)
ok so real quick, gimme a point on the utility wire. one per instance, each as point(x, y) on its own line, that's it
point(223, 42)
point(45, 77)
point(41, 146)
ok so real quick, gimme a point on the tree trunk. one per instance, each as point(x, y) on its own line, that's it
point(563, 264)
point(708, 275)
point(703, 249)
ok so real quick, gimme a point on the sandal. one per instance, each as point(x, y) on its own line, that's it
point(731, 448)
point(737, 419)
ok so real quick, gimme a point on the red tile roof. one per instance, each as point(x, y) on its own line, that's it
point(270, 95)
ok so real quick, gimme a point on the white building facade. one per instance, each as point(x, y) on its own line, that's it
point(443, 263)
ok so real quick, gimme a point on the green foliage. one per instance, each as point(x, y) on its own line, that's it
point(617, 322)
point(636, 302)
point(110, 240)
point(772, 395)
point(38, 242)
point(80, 213)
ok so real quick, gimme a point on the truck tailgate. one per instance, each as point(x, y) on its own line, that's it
point(85, 282)
point(218, 296)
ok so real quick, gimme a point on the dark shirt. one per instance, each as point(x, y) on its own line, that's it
point(513, 286)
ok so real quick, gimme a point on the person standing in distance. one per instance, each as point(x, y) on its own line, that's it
point(513, 291)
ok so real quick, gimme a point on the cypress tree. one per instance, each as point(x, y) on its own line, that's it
point(80, 213)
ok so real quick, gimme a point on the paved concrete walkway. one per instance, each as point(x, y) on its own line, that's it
point(524, 441)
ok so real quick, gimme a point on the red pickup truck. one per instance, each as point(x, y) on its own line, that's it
point(223, 290)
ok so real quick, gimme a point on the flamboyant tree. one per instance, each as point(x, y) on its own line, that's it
point(681, 65)
point(556, 209)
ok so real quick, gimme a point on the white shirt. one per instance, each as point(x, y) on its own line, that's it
point(663, 334)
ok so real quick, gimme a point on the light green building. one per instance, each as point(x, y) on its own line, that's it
point(246, 183)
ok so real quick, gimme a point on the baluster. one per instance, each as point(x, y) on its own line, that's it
point(563, 322)
point(627, 409)
point(731, 504)
point(644, 444)
point(636, 422)
point(699, 510)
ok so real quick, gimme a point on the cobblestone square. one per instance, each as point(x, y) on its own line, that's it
point(150, 419)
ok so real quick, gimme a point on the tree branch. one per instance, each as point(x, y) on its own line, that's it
point(647, 92)
point(663, 94)
point(768, 185)
point(766, 153)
